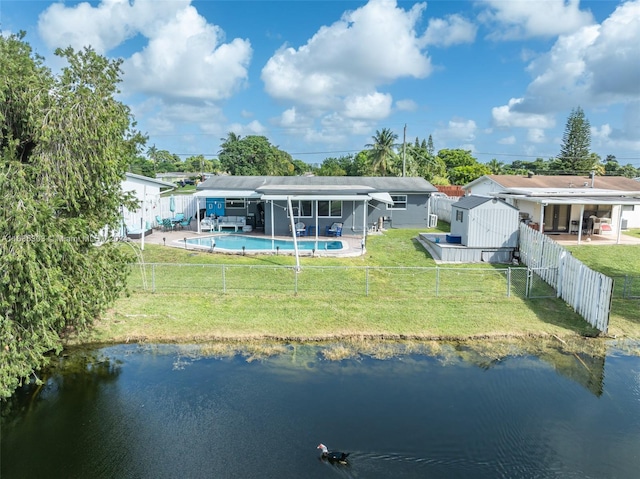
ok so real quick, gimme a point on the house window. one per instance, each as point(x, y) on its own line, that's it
point(330, 209)
point(399, 202)
point(235, 203)
point(302, 209)
point(459, 215)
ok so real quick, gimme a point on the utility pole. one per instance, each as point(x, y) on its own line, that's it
point(404, 156)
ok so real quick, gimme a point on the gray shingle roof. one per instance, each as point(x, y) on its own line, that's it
point(470, 202)
point(319, 183)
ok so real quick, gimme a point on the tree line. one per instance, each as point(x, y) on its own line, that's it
point(385, 156)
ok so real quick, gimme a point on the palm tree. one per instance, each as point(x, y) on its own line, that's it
point(152, 153)
point(382, 151)
point(496, 167)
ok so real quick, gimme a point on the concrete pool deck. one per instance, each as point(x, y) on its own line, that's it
point(175, 239)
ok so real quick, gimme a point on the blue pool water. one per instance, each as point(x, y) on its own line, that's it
point(230, 242)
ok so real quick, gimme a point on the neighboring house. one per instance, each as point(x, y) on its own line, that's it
point(147, 191)
point(359, 203)
point(567, 204)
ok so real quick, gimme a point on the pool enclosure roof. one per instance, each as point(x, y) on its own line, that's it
point(343, 188)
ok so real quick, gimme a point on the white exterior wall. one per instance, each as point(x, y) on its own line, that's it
point(485, 187)
point(492, 225)
point(133, 219)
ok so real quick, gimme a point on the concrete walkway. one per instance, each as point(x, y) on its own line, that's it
point(595, 240)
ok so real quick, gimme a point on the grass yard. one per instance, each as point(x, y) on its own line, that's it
point(189, 304)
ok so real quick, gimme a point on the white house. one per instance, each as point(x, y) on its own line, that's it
point(567, 204)
point(147, 191)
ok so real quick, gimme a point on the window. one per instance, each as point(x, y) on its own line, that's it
point(459, 215)
point(330, 209)
point(302, 209)
point(235, 203)
point(399, 202)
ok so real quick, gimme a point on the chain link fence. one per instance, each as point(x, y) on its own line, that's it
point(626, 287)
point(334, 281)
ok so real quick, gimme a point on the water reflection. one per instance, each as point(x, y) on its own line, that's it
point(426, 410)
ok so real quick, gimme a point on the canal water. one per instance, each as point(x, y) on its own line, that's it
point(154, 411)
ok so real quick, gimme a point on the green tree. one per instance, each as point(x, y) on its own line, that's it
point(65, 147)
point(496, 167)
point(254, 155)
point(429, 147)
point(462, 167)
point(331, 167)
point(382, 152)
point(574, 157)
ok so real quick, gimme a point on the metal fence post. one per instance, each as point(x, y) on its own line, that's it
point(224, 282)
point(366, 281)
point(526, 285)
point(508, 282)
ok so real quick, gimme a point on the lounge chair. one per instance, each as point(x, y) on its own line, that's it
point(334, 230)
point(301, 229)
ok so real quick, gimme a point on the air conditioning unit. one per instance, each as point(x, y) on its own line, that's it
point(433, 221)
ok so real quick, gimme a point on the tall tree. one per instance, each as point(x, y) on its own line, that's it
point(430, 149)
point(254, 155)
point(382, 152)
point(574, 154)
point(64, 149)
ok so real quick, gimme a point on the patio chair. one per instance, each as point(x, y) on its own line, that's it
point(179, 216)
point(158, 221)
point(186, 223)
point(167, 224)
point(301, 229)
point(334, 230)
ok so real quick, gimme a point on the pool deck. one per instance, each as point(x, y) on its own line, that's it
point(175, 239)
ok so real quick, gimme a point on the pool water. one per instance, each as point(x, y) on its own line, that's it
point(231, 242)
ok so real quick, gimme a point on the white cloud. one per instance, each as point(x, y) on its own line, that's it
point(252, 128)
point(406, 105)
point(374, 106)
point(596, 65)
point(536, 135)
point(372, 45)
point(509, 140)
point(526, 19)
point(185, 58)
point(458, 130)
point(625, 137)
point(452, 30)
point(506, 116)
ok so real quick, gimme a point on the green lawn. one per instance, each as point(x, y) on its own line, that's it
point(260, 302)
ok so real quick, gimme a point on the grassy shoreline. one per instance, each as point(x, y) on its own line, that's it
point(187, 317)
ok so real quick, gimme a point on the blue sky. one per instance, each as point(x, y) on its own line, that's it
point(496, 77)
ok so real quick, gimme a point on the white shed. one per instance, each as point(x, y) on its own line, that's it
point(484, 222)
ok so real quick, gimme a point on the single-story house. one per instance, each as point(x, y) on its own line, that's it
point(147, 191)
point(360, 204)
point(567, 204)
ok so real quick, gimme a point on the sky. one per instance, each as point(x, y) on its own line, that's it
point(318, 78)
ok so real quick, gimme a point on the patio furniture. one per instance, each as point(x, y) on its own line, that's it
point(334, 230)
point(301, 229)
point(168, 225)
point(208, 224)
point(159, 221)
point(235, 222)
point(186, 223)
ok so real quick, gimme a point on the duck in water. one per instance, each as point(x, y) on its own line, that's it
point(333, 456)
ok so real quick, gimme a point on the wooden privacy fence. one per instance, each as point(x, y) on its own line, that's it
point(587, 291)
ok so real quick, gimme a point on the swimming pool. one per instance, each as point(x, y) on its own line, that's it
point(231, 242)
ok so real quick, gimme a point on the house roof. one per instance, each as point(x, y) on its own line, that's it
point(318, 185)
point(561, 183)
point(473, 201)
point(150, 181)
